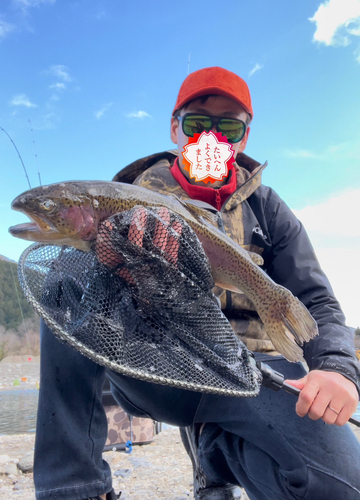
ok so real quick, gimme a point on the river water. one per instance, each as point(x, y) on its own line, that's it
point(18, 411)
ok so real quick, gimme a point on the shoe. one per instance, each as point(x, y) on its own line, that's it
point(109, 496)
point(204, 488)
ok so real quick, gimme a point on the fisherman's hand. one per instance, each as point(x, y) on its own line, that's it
point(165, 239)
point(326, 395)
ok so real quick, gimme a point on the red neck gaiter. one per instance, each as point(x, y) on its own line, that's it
point(215, 197)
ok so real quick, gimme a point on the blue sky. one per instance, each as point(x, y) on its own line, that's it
point(88, 86)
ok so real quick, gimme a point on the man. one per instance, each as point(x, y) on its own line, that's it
point(258, 443)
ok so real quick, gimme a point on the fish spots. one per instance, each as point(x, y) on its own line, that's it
point(83, 205)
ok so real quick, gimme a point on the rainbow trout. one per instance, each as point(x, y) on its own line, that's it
point(69, 213)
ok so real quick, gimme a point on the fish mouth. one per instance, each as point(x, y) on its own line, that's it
point(37, 228)
point(40, 231)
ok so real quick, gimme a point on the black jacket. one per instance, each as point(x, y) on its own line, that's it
point(270, 228)
point(289, 259)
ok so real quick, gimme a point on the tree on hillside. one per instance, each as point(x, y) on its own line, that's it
point(24, 340)
point(10, 296)
point(357, 332)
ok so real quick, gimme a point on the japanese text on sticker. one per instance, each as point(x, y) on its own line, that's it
point(208, 157)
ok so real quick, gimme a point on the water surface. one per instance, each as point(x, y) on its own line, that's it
point(18, 410)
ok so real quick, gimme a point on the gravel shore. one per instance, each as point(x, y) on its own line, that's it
point(160, 470)
point(157, 471)
point(17, 372)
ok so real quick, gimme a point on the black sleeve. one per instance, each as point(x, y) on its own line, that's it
point(290, 260)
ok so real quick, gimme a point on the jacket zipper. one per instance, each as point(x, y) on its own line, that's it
point(222, 229)
point(218, 200)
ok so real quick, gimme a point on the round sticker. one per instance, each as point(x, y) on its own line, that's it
point(208, 157)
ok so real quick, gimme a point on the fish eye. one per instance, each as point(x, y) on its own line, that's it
point(47, 205)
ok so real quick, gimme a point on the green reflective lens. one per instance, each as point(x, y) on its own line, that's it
point(195, 124)
point(233, 129)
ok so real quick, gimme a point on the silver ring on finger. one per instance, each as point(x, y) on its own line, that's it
point(333, 409)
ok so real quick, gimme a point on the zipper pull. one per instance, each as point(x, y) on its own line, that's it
point(218, 200)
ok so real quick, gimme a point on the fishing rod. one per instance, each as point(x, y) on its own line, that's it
point(18, 154)
point(276, 381)
point(10, 264)
point(34, 145)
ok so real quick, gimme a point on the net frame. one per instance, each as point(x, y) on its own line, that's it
point(33, 267)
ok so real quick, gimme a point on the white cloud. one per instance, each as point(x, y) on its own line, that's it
point(334, 230)
point(330, 152)
point(343, 271)
point(23, 6)
point(5, 28)
point(138, 114)
point(58, 86)
point(299, 153)
point(335, 21)
point(48, 121)
point(355, 31)
point(102, 111)
point(22, 100)
point(100, 15)
point(357, 55)
point(27, 4)
point(335, 217)
point(256, 68)
point(60, 72)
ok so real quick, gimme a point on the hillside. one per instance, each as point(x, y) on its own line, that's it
point(17, 336)
point(5, 259)
point(11, 297)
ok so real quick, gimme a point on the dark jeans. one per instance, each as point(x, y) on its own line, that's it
point(259, 443)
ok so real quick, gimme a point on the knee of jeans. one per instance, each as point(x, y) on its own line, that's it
point(215, 466)
point(296, 481)
point(224, 456)
point(324, 484)
point(213, 459)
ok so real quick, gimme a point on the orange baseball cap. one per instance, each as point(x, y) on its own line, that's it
point(214, 81)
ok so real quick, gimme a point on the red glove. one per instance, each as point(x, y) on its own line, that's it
point(164, 239)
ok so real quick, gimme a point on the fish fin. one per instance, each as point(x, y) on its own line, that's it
point(226, 286)
point(208, 217)
point(289, 324)
point(255, 257)
point(203, 211)
point(291, 351)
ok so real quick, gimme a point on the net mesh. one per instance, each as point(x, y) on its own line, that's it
point(141, 303)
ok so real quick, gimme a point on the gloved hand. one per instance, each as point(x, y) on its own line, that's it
point(165, 238)
point(144, 306)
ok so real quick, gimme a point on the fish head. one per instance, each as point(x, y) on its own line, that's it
point(60, 214)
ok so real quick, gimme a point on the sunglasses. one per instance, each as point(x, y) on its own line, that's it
point(194, 123)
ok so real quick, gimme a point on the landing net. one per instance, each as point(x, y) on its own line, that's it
point(141, 303)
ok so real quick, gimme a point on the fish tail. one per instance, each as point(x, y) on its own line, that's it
point(289, 325)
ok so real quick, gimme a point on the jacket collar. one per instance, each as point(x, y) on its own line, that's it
point(248, 174)
point(248, 179)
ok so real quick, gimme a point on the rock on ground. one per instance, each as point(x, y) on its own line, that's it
point(157, 471)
